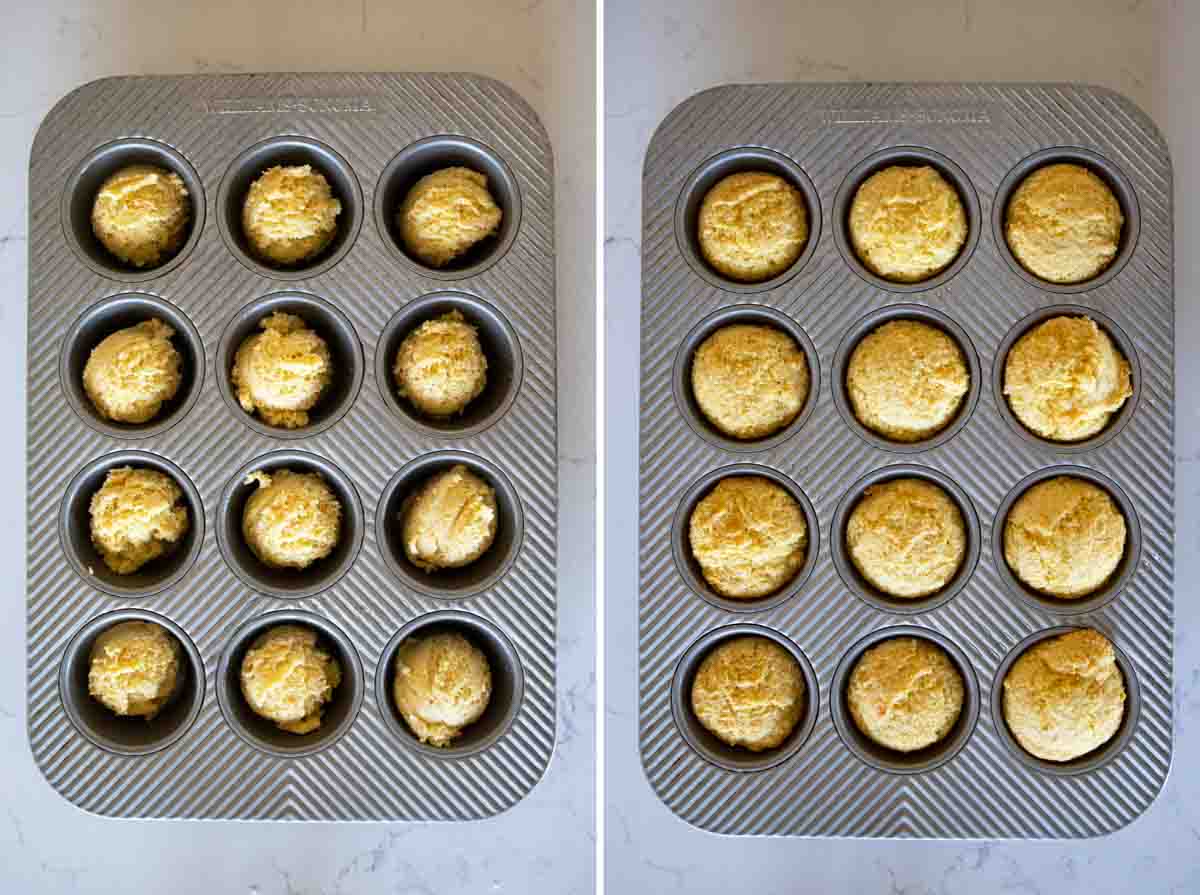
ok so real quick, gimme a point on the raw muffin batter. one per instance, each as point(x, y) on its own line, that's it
point(133, 372)
point(750, 381)
point(1063, 223)
point(1064, 379)
point(1065, 696)
point(290, 215)
point(442, 685)
point(137, 515)
point(906, 537)
point(446, 213)
point(906, 380)
point(141, 214)
point(905, 694)
point(281, 372)
point(907, 223)
point(440, 366)
point(1064, 537)
point(134, 668)
point(450, 522)
point(749, 536)
point(292, 519)
point(288, 678)
point(749, 692)
point(752, 226)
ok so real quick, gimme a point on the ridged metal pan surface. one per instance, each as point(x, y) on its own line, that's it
point(826, 138)
point(372, 135)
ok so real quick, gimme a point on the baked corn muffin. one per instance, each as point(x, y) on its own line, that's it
point(446, 213)
point(1064, 379)
point(1065, 696)
point(292, 519)
point(1063, 223)
point(442, 686)
point(288, 678)
point(141, 213)
point(450, 521)
point(137, 515)
point(281, 372)
point(749, 536)
point(133, 372)
point(752, 226)
point(749, 692)
point(440, 366)
point(134, 668)
point(290, 215)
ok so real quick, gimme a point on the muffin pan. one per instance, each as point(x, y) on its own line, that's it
point(206, 755)
point(977, 783)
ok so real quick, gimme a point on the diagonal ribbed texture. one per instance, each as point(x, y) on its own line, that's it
point(211, 773)
point(986, 129)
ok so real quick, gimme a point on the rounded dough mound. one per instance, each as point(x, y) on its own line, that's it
point(450, 522)
point(282, 371)
point(1064, 379)
point(749, 692)
point(1064, 537)
point(133, 372)
point(292, 519)
point(906, 537)
point(290, 214)
point(141, 214)
point(134, 668)
point(1065, 696)
point(905, 694)
point(906, 380)
point(287, 678)
point(752, 226)
point(445, 213)
point(442, 685)
point(907, 224)
point(750, 381)
point(137, 515)
point(440, 366)
point(1063, 223)
point(749, 536)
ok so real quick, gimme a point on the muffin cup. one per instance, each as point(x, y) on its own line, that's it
point(908, 156)
point(854, 579)
point(263, 734)
point(1107, 592)
point(890, 760)
point(289, 583)
point(129, 735)
point(345, 350)
point(432, 154)
point(706, 744)
point(483, 573)
point(501, 347)
point(1098, 757)
point(75, 529)
point(919, 314)
point(508, 683)
point(289, 150)
point(681, 375)
point(84, 182)
point(689, 568)
point(1120, 339)
point(1102, 168)
point(102, 320)
point(720, 166)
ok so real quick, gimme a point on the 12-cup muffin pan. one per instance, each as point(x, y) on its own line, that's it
point(207, 755)
point(827, 779)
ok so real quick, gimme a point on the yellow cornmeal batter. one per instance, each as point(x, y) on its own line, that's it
point(450, 521)
point(292, 519)
point(133, 372)
point(281, 372)
point(137, 515)
point(442, 685)
point(288, 678)
point(440, 366)
point(446, 213)
point(290, 214)
point(141, 214)
point(134, 668)
point(752, 226)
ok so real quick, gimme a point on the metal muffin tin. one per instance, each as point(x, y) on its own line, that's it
point(977, 783)
point(206, 755)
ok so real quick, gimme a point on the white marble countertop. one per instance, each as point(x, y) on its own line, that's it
point(545, 50)
point(1143, 48)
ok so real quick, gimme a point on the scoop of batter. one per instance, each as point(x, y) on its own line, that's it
point(440, 367)
point(133, 372)
point(288, 678)
point(141, 214)
point(442, 685)
point(451, 521)
point(136, 516)
point(445, 213)
point(752, 226)
point(292, 519)
point(281, 372)
point(134, 668)
point(290, 214)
